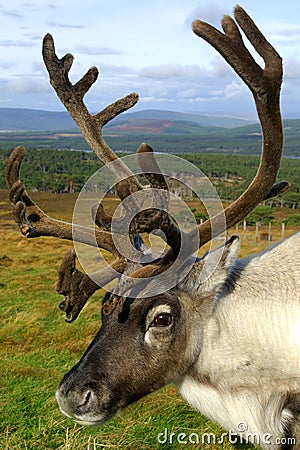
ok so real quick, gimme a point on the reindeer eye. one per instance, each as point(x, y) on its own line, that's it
point(162, 320)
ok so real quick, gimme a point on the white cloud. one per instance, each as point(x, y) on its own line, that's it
point(28, 85)
point(166, 71)
point(283, 33)
point(65, 25)
point(115, 70)
point(88, 50)
point(235, 89)
point(291, 68)
point(188, 93)
point(16, 43)
point(220, 68)
point(210, 12)
point(38, 66)
point(7, 65)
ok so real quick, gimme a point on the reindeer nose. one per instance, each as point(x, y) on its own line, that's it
point(74, 403)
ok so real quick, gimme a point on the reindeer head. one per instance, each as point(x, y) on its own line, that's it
point(143, 344)
point(146, 340)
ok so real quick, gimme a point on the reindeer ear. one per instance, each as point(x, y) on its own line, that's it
point(210, 272)
point(230, 252)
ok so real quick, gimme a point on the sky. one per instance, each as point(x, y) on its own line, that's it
point(141, 46)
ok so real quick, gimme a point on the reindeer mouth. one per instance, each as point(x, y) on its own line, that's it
point(85, 420)
point(88, 423)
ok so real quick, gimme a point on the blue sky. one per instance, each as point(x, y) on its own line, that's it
point(140, 46)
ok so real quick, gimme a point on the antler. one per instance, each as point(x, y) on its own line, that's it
point(90, 125)
point(33, 222)
point(265, 86)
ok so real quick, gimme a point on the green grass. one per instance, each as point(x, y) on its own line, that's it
point(37, 347)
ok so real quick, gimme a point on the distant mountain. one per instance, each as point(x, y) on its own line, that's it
point(164, 131)
point(135, 126)
point(199, 119)
point(158, 123)
point(18, 119)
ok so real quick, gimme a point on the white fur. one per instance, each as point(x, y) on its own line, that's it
point(250, 349)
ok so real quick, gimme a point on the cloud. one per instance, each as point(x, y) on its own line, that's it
point(286, 28)
point(283, 33)
point(216, 69)
point(10, 13)
point(235, 89)
point(211, 13)
point(153, 99)
point(18, 43)
point(114, 69)
point(220, 68)
point(34, 37)
point(167, 71)
point(26, 85)
point(291, 68)
point(65, 25)
point(97, 50)
point(7, 65)
point(38, 66)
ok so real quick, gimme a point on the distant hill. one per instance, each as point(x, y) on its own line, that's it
point(175, 116)
point(165, 131)
point(18, 119)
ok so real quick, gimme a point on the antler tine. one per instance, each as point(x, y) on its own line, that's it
point(258, 40)
point(13, 167)
point(278, 189)
point(77, 287)
point(72, 98)
point(150, 168)
point(152, 172)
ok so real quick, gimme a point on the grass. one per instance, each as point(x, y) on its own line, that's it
point(38, 347)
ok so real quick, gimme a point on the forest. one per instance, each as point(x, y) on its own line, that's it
point(67, 171)
point(179, 137)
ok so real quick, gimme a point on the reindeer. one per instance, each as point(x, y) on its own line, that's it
point(228, 337)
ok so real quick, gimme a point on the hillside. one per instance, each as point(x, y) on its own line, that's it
point(175, 116)
point(165, 131)
point(18, 119)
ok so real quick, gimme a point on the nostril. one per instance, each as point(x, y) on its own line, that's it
point(87, 398)
point(85, 405)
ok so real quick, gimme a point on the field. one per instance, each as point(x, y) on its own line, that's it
point(38, 347)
